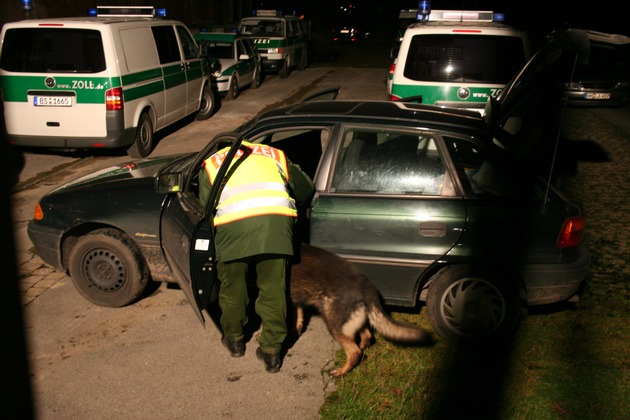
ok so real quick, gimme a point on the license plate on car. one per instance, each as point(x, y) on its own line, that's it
point(52, 100)
point(598, 96)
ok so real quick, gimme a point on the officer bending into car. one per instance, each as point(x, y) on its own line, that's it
point(254, 223)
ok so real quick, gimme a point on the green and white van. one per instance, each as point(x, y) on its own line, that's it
point(109, 80)
point(456, 58)
point(281, 40)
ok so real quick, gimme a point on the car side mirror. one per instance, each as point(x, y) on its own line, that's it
point(168, 183)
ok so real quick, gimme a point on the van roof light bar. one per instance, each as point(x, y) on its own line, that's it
point(268, 13)
point(461, 16)
point(127, 11)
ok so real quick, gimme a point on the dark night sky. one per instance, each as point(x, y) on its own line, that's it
point(539, 18)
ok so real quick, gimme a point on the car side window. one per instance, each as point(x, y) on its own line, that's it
point(481, 175)
point(303, 147)
point(189, 46)
point(390, 162)
point(166, 42)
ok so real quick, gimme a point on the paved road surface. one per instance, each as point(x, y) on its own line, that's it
point(153, 359)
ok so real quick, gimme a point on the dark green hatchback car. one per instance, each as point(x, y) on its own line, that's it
point(431, 203)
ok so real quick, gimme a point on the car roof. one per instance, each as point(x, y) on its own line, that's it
point(400, 113)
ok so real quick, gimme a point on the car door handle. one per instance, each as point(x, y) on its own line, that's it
point(432, 229)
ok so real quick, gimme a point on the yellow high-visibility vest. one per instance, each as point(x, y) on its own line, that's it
point(257, 187)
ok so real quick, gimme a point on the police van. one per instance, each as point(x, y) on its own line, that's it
point(281, 40)
point(108, 80)
point(456, 58)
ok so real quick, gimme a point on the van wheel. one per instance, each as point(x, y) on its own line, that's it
point(465, 303)
point(208, 104)
point(284, 71)
point(257, 81)
point(107, 268)
point(233, 89)
point(143, 141)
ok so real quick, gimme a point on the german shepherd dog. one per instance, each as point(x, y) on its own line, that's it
point(347, 301)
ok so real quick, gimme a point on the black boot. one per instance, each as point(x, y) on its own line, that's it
point(235, 347)
point(272, 361)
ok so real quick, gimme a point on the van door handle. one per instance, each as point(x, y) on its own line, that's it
point(432, 229)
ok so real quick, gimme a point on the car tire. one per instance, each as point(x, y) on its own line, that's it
point(257, 80)
point(107, 268)
point(143, 139)
point(208, 104)
point(468, 304)
point(284, 70)
point(233, 88)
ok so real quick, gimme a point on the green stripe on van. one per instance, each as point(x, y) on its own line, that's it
point(432, 94)
point(89, 90)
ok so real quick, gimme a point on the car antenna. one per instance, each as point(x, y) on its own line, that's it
point(563, 112)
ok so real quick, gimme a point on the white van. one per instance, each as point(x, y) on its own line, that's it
point(456, 58)
point(110, 80)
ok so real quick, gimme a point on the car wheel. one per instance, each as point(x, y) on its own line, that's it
point(208, 104)
point(257, 80)
point(107, 268)
point(233, 89)
point(467, 304)
point(284, 70)
point(143, 140)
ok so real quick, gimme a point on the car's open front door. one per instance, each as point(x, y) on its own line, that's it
point(188, 235)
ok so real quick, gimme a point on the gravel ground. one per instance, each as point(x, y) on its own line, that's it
point(601, 185)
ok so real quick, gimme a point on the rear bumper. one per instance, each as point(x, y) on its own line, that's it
point(113, 140)
point(550, 283)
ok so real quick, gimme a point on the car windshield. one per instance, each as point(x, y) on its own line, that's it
point(605, 61)
point(262, 27)
point(215, 49)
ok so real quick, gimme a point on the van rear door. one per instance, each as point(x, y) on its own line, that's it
point(54, 80)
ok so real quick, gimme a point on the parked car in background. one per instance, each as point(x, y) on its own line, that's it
point(234, 60)
point(282, 40)
point(601, 77)
point(456, 58)
point(438, 206)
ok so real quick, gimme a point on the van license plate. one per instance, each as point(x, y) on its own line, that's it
point(52, 100)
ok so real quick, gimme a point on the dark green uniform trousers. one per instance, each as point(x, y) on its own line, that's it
point(271, 304)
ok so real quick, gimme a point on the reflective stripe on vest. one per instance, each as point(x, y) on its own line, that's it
point(256, 188)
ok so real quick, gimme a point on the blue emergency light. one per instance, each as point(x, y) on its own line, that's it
point(424, 10)
point(27, 4)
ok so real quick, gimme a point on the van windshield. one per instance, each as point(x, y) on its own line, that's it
point(464, 58)
point(262, 27)
point(52, 50)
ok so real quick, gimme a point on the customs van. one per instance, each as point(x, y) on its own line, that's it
point(456, 58)
point(281, 40)
point(109, 80)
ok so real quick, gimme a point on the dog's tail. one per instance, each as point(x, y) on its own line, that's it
point(390, 328)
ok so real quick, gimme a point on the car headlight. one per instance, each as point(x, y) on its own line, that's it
point(274, 51)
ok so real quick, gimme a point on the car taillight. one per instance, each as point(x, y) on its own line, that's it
point(572, 232)
point(114, 99)
point(392, 68)
point(38, 214)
